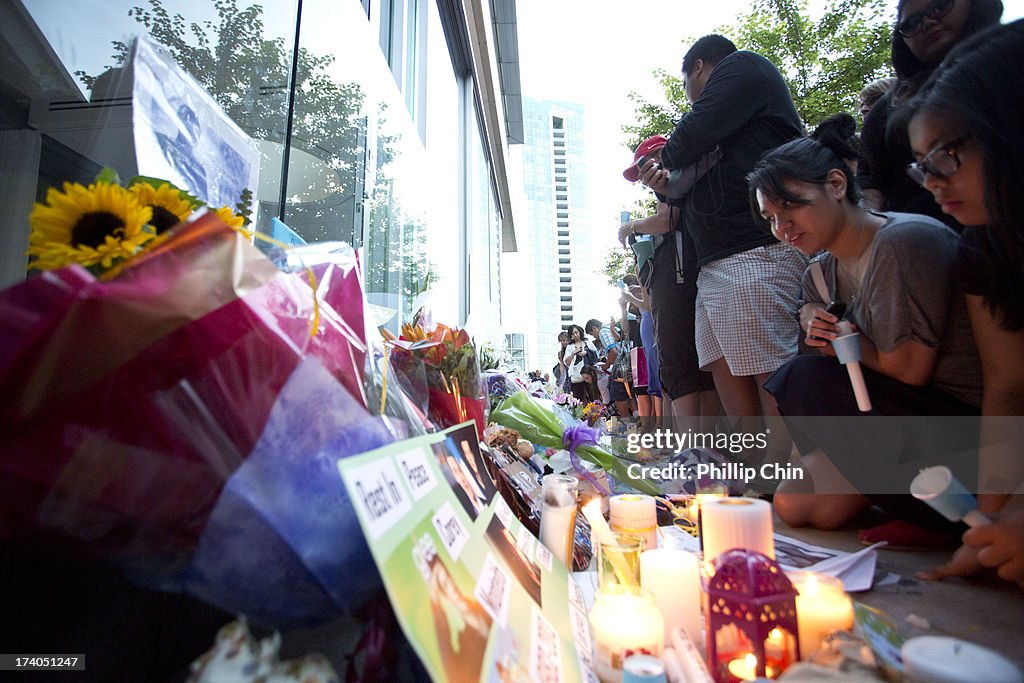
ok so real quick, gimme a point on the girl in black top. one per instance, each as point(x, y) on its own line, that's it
point(925, 32)
point(966, 136)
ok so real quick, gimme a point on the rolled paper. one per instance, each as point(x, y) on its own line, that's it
point(672, 576)
point(695, 670)
point(673, 667)
point(847, 348)
point(744, 523)
point(946, 495)
point(940, 659)
point(635, 514)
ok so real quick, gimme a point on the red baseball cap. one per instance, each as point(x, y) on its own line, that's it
point(651, 144)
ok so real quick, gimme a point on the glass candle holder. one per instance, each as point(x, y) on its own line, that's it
point(558, 515)
point(626, 622)
point(618, 561)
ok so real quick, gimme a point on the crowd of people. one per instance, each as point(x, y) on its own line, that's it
point(769, 243)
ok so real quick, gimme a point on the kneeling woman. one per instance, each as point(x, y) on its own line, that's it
point(895, 274)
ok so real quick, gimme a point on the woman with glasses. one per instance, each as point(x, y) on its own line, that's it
point(894, 274)
point(965, 131)
point(926, 30)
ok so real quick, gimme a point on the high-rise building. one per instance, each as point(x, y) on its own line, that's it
point(556, 281)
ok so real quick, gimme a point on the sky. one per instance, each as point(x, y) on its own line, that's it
point(595, 52)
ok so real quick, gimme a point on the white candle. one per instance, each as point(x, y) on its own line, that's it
point(728, 523)
point(673, 577)
point(625, 621)
point(558, 516)
point(635, 514)
point(745, 668)
point(938, 659)
point(821, 608)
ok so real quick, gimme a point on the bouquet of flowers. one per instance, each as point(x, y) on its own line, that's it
point(443, 363)
point(544, 423)
point(183, 417)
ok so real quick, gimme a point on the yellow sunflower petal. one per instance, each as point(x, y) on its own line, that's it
point(230, 218)
point(52, 235)
point(166, 196)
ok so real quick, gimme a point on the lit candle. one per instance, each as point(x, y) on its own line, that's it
point(635, 514)
point(775, 645)
point(821, 608)
point(673, 577)
point(625, 621)
point(745, 668)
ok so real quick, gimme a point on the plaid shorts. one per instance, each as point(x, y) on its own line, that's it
point(747, 309)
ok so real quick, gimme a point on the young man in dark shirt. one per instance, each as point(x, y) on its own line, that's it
point(749, 283)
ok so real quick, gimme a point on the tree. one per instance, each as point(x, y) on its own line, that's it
point(825, 63)
point(618, 261)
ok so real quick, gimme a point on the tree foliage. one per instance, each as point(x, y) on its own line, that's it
point(618, 261)
point(825, 62)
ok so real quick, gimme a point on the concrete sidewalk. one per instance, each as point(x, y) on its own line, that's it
point(984, 609)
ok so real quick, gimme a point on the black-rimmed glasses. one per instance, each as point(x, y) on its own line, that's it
point(941, 162)
point(937, 9)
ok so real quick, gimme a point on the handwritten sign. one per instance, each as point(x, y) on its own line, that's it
point(378, 494)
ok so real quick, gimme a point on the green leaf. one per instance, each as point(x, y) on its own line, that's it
point(109, 176)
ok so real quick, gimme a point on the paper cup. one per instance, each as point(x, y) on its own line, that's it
point(847, 348)
point(939, 488)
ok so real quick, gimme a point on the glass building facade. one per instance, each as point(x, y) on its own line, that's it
point(372, 121)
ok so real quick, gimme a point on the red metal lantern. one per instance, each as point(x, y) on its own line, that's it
point(751, 619)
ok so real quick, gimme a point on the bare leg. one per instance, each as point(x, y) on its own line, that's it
point(645, 409)
point(779, 441)
point(625, 411)
point(824, 499)
point(710, 410)
point(739, 395)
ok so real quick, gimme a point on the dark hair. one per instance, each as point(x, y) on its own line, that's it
point(590, 387)
point(807, 160)
point(583, 332)
point(712, 48)
point(839, 132)
point(592, 323)
point(911, 71)
point(966, 95)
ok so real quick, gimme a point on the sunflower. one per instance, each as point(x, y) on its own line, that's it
point(229, 217)
point(169, 204)
point(87, 225)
